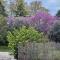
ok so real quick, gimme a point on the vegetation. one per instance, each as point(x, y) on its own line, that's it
point(20, 8)
point(4, 49)
point(3, 30)
point(19, 29)
point(54, 33)
point(2, 9)
point(37, 6)
point(24, 35)
point(58, 13)
point(42, 21)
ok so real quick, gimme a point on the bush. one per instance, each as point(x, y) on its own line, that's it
point(54, 33)
point(39, 51)
point(24, 35)
point(3, 30)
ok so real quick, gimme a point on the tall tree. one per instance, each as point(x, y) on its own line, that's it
point(58, 13)
point(2, 9)
point(20, 11)
point(37, 6)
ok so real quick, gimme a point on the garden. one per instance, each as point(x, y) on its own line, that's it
point(29, 36)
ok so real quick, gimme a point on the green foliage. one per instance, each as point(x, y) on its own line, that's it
point(36, 5)
point(24, 35)
point(58, 13)
point(54, 33)
point(20, 8)
point(2, 9)
point(3, 30)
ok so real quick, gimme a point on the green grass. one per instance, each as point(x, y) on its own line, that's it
point(4, 49)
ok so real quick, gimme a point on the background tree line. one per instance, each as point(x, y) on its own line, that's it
point(17, 8)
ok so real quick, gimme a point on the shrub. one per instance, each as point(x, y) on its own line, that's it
point(24, 35)
point(39, 51)
point(3, 30)
point(54, 33)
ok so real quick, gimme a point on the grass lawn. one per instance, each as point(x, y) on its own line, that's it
point(4, 49)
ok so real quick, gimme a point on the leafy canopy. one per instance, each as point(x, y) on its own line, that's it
point(24, 35)
point(2, 9)
point(20, 8)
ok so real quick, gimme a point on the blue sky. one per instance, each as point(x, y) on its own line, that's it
point(52, 5)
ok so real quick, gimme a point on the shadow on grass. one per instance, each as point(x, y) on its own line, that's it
point(4, 49)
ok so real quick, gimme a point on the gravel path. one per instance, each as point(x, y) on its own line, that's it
point(6, 56)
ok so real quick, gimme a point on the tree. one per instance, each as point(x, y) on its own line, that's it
point(54, 33)
point(11, 6)
point(42, 21)
point(2, 9)
point(58, 14)
point(20, 8)
point(24, 35)
point(3, 30)
point(37, 6)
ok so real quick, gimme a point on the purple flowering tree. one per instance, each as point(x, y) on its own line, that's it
point(10, 22)
point(42, 21)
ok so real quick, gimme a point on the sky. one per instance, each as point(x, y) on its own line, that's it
point(52, 5)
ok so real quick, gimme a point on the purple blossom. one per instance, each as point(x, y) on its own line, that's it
point(43, 21)
point(10, 21)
